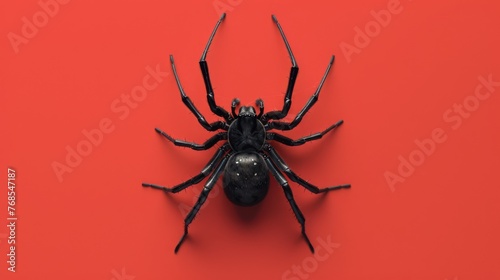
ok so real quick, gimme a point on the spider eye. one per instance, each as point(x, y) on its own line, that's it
point(247, 111)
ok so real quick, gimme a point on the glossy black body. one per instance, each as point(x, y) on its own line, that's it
point(246, 176)
point(246, 160)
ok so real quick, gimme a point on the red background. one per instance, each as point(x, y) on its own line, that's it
point(441, 222)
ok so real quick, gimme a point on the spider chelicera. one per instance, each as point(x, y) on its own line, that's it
point(246, 158)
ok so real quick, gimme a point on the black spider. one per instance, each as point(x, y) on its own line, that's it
point(246, 157)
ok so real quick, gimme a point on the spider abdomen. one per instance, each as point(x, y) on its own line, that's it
point(246, 179)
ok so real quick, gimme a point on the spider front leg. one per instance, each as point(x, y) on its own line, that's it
point(198, 147)
point(277, 115)
point(290, 142)
point(277, 160)
point(187, 101)
point(312, 100)
point(219, 111)
point(289, 196)
point(201, 199)
point(197, 178)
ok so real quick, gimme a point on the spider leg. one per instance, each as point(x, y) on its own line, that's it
point(198, 147)
point(277, 115)
point(290, 142)
point(277, 160)
point(201, 199)
point(187, 101)
point(289, 196)
point(219, 111)
point(312, 100)
point(197, 178)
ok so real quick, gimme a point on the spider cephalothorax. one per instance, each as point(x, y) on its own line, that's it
point(246, 132)
point(246, 158)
